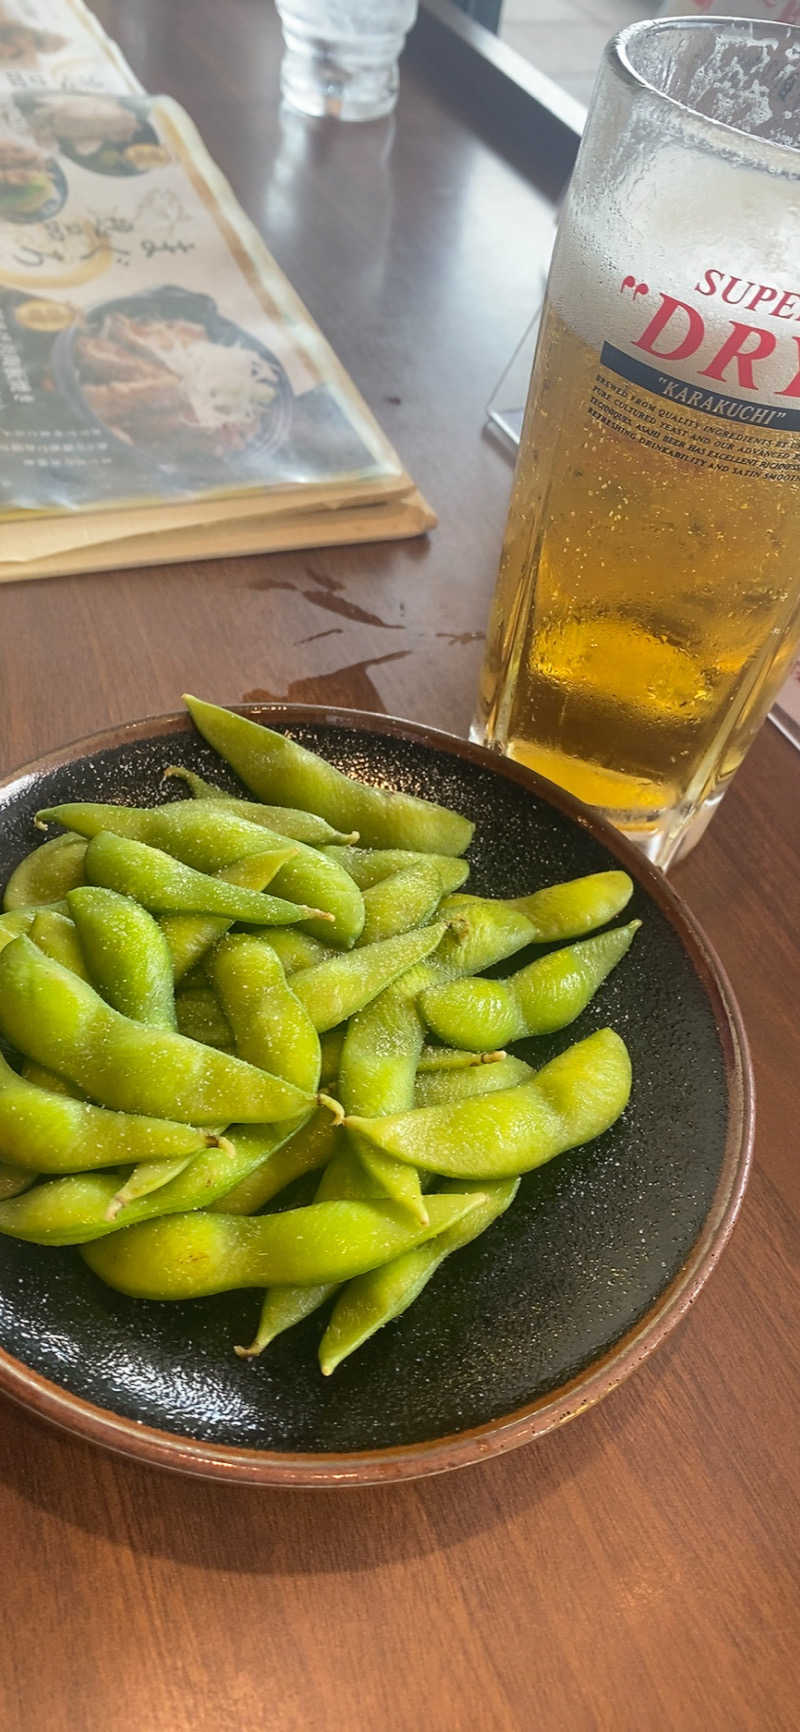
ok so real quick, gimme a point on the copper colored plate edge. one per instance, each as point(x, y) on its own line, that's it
point(129, 1437)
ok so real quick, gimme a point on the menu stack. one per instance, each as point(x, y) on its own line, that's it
point(164, 394)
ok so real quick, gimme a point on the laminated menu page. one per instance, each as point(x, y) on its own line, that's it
point(164, 394)
point(58, 44)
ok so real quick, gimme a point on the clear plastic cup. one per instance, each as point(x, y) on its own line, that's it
point(341, 56)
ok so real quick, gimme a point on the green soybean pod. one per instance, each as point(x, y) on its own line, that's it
point(47, 873)
point(334, 990)
point(126, 954)
point(84, 1206)
point(310, 1147)
point(18, 921)
point(370, 866)
point(271, 1027)
point(568, 910)
point(573, 1099)
point(166, 886)
point(406, 899)
point(57, 937)
point(191, 936)
point(14, 1180)
point(377, 1071)
point(540, 999)
point(438, 1088)
point(288, 821)
point(56, 1019)
point(372, 1300)
point(276, 768)
point(130, 966)
point(346, 1180)
point(191, 1256)
point(200, 1017)
point(49, 1132)
point(208, 839)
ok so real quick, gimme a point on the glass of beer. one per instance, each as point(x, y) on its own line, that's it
point(648, 601)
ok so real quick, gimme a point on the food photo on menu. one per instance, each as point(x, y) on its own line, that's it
point(58, 44)
point(123, 380)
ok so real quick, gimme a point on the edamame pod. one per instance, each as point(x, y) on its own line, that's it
point(276, 768)
point(82, 1207)
point(437, 1088)
point(557, 911)
point(434, 1058)
point(310, 1147)
point(369, 866)
point(295, 949)
point(287, 821)
point(190, 936)
point(578, 906)
point(189, 1256)
point(406, 899)
point(486, 930)
point(208, 839)
point(166, 886)
point(540, 999)
point(376, 1075)
point(14, 1180)
point(371, 1300)
point(574, 1098)
point(200, 1016)
point(47, 873)
point(126, 954)
point(57, 937)
point(270, 1026)
point(344, 1180)
point(378, 1066)
point(55, 1133)
point(47, 1079)
point(146, 1178)
point(20, 920)
point(59, 1021)
point(130, 966)
point(333, 990)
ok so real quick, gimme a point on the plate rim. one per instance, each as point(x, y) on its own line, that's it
point(235, 1465)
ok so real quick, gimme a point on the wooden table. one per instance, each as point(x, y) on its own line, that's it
point(636, 1571)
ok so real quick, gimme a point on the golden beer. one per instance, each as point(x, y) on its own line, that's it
point(648, 600)
point(631, 650)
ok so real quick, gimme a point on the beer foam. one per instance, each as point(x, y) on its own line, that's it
point(652, 237)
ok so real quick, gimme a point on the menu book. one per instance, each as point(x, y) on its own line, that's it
point(164, 393)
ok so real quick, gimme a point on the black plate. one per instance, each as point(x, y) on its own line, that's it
point(600, 1254)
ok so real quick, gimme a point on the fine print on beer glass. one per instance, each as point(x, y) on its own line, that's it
point(648, 601)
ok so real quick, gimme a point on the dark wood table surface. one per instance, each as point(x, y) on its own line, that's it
point(638, 1570)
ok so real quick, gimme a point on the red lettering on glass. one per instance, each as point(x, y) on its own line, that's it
point(733, 349)
point(687, 344)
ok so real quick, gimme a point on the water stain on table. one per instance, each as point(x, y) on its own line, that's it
point(351, 687)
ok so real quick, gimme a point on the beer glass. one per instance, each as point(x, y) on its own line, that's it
point(648, 601)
